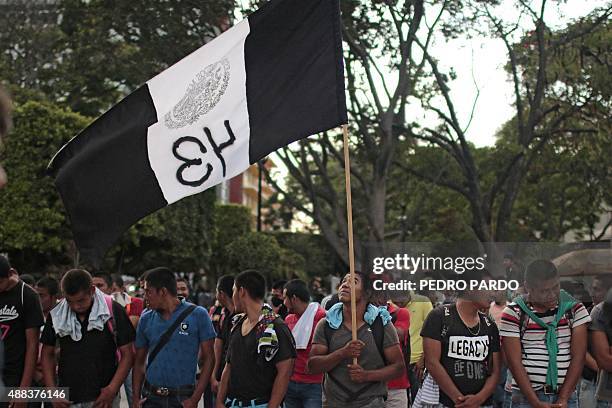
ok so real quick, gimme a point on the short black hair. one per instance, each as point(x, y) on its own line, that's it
point(472, 274)
point(186, 283)
point(297, 287)
point(5, 267)
point(540, 270)
point(117, 280)
point(279, 284)
point(366, 284)
point(253, 282)
point(103, 275)
point(49, 283)
point(75, 281)
point(161, 277)
point(27, 279)
point(225, 284)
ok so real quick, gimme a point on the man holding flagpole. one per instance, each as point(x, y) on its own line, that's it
point(379, 357)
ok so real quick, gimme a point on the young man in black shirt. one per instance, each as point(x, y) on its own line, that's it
point(462, 349)
point(261, 350)
point(20, 320)
point(89, 336)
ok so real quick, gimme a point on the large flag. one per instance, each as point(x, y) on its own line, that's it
point(274, 78)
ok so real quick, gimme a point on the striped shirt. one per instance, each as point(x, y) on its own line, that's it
point(533, 340)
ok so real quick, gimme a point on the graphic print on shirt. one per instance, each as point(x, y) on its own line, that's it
point(7, 313)
point(4, 330)
point(469, 353)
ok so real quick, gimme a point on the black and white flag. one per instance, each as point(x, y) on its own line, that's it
point(274, 78)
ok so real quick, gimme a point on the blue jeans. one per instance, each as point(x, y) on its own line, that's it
point(520, 401)
point(155, 401)
point(499, 395)
point(233, 403)
point(303, 395)
point(127, 387)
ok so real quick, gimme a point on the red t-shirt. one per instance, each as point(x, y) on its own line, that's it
point(402, 322)
point(299, 370)
point(135, 307)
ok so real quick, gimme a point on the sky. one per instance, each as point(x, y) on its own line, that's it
point(494, 105)
point(484, 59)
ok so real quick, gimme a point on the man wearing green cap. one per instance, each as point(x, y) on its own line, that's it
point(544, 338)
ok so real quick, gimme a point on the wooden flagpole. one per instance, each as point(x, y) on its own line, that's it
point(349, 214)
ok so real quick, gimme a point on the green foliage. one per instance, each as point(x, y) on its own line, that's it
point(321, 259)
point(255, 251)
point(180, 236)
point(88, 54)
point(230, 223)
point(33, 217)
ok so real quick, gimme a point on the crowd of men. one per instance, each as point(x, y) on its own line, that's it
point(86, 333)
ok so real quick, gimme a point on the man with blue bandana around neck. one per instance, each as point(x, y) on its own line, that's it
point(379, 356)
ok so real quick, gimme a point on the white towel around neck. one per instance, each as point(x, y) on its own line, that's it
point(66, 322)
point(303, 328)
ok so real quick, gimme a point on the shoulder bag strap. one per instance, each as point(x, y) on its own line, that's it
point(165, 338)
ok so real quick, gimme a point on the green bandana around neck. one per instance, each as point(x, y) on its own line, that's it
point(566, 302)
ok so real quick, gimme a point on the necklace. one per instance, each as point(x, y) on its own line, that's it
point(467, 327)
point(477, 330)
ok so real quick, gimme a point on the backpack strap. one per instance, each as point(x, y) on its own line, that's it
point(446, 320)
point(524, 320)
point(378, 332)
point(110, 323)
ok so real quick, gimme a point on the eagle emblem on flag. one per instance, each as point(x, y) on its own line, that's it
point(202, 95)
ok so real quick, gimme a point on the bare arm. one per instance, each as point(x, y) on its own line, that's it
point(218, 348)
point(321, 362)
point(124, 367)
point(574, 372)
point(281, 382)
point(207, 356)
point(31, 356)
point(432, 350)
point(590, 362)
point(223, 386)
point(394, 367)
point(601, 350)
point(512, 350)
point(47, 361)
point(138, 374)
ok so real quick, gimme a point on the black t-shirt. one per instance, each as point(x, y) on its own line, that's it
point(20, 310)
point(465, 353)
point(88, 365)
point(250, 377)
point(223, 334)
